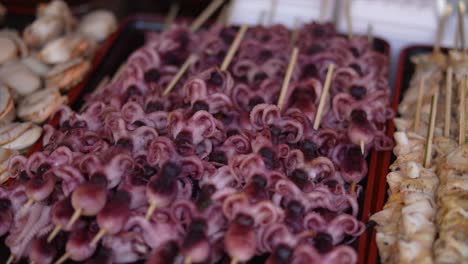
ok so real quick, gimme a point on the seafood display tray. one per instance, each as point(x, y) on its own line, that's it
point(131, 35)
point(404, 73)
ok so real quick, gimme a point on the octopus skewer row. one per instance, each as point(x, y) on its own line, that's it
point(214, 167)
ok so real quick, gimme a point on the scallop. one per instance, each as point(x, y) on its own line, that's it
point(38, 106)
point(8, 49)
point(65, 75)
point(20, 78)
point(35, 65)
point(11, 45)
point(57, 8)
point(26, 139)
point(98, 25)
point(43, 30)
point(66, 48)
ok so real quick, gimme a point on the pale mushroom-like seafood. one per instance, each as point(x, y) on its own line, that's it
point(57, 8)
point(38, 106)
point(98, 24)
point(43, 30)
point(11, 45)
point(66, 48)
point(8, 49)
point(65, 75)
point(35, 65)
point(19, 78)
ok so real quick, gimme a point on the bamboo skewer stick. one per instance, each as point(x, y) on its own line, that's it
point(209, 10)
point(352, 189)
point(287, 77)
point(197, 23)
point(150, 211)
point(172, 14)
point(63, 258)
point(224, 15)
point(462, 110)
point(101, 84)
point(461, 24)
point(11, 259)
point(234, 46)
point(323, 96)
point(448, 102)
point(233, 261)
point(54, 233)
point(441, 27)
point(323, 10)
point(26, 206)
point(191, 59)
point(456, 39)
point(98, 236)
point(271, 17)
point(430, 130)
point(261, 18)
point(419, 103)
point(73, 219)
point(188, 260)
point(349, 21)
point(119, 72)
point(295, 33)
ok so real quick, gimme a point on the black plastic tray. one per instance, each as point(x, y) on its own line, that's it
point(130, 36)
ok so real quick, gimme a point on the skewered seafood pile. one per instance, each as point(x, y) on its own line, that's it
point(213, 169)
point(52, 55)
point(425, 217)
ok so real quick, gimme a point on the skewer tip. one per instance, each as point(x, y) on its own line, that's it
point(323, 96)
point(180, 73)
point(188, 260)
point(233, 260)
point(27, 204)
point(11, 259)
point(63, 258)
point(102, 232)
point(353, 188)
point(430, 130)
point(361, 143)
point(234, 47)
point(287, 77)
point(150, 211)
point(54, 233)
point(74, 217)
